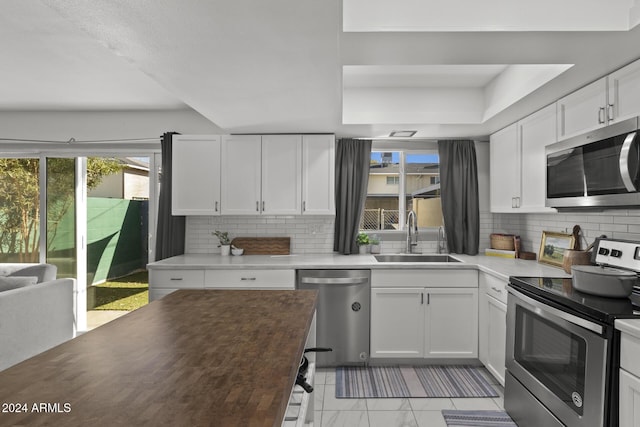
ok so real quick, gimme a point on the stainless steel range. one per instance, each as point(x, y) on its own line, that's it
point(563, 352)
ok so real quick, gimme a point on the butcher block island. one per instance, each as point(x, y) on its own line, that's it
point(192, 358)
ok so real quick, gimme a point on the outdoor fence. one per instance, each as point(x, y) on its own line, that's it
point(380, 219)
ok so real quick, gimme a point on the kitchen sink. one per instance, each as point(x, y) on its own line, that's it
point(416, 258)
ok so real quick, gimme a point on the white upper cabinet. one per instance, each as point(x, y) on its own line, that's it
point(281, 174)
point(536, 132)
point(624, 92)
point(241, 174)
point(612, 98)
point(195, 175)
point(583, 110)
point(253, 174)
point(505, 170)
point(318, 174)
point(518, 163)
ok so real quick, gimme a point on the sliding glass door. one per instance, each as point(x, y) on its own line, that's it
point(19, 209)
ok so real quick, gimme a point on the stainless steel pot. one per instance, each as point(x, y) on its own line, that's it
point(603, 281)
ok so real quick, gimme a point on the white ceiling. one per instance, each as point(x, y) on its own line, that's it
point(277, 66)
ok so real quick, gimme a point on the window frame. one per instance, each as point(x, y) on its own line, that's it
point(402, 148)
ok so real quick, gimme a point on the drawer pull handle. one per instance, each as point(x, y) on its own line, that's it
point(247, 278)
point(176, 278)
point(496, 289)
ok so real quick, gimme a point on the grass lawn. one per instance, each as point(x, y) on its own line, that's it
point(126, 293)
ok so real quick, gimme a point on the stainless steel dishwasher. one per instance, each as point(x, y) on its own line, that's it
point(342, 317)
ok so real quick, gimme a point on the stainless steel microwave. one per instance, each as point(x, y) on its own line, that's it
point(595, 170)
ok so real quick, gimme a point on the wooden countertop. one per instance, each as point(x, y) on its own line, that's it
point(193, 358)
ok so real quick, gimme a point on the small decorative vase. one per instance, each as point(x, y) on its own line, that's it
point(363, 249)
point(225, 250)
point(375, 249)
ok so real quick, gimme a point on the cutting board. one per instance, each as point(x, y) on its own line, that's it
point(263, 245)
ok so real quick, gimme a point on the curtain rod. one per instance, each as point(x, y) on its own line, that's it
point(73, 140)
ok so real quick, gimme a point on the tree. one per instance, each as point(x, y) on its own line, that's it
point(20, 200)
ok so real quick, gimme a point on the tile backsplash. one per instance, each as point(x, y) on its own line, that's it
point(309, 234)
point(618, 224)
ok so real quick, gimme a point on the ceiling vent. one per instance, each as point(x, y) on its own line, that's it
point(402, 133)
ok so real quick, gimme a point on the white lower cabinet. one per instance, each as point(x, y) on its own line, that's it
point(629, 374)
point(424, 322)
point(493, 325)
point(629, 400)
point(496, 338)
point(163, 282)
point(250, 279)
point(397, 322)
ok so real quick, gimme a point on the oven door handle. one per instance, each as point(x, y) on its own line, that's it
point(541, 309)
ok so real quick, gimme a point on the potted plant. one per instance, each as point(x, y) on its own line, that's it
point(363, 242)
point(225, 243)
point(375, 244)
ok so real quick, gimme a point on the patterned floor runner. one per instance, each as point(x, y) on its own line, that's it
point(411, 381)
point(477, 419)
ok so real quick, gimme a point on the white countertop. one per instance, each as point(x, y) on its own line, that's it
point(499, 267)
point(629, 326)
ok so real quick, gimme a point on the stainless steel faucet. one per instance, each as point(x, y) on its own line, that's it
point(442, 240)
point(412, 231)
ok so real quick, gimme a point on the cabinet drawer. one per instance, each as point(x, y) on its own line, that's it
point(629, 351)
point(250, 279)
point(494, 287)
point(177, 279)
point(424, 278)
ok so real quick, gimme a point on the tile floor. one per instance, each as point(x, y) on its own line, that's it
point(332, 412)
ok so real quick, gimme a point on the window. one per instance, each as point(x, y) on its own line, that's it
point(400, 181)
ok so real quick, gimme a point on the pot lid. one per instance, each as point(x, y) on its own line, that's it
point(604, 271)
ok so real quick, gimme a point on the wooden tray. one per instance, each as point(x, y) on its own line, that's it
point(263, 245)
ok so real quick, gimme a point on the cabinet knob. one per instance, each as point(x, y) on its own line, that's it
point(263, 205)
point(601, 117)
point(496, 289)
point(216, 208)
point(257, 206)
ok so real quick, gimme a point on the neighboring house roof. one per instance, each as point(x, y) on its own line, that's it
point(410, 168)
point(430, 191)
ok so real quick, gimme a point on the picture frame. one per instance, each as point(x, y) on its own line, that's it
point(552, 247)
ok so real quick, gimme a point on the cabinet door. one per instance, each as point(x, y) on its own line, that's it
point(281, 174)
point(318, 174)
point(196, 175)
point(536, 131)
point(624, 92)
point(241, 174)
point(397, 322)
point(629, 400)
point(451, 325)
point(496, 338)
point(505, 170)
point(582, 110)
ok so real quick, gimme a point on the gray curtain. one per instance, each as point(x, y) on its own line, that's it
point(352, 177)
point(459, 193)
point(171, 229)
